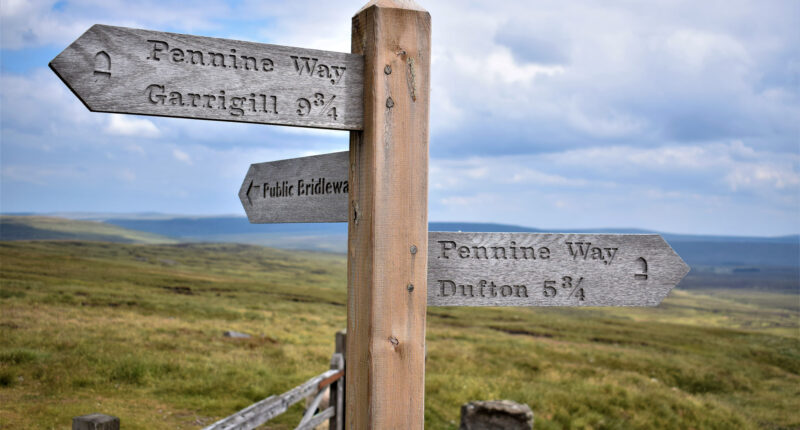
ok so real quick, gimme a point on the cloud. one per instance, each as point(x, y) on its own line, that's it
point(618, 73)
point(766, 175)
point(181, 156)
point(663, 188)
point(126, 125)
point(742, 167)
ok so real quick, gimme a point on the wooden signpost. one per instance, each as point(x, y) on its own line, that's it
point(380, 187)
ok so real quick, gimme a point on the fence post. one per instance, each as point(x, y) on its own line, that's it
point(336, 394)
point(337, 397)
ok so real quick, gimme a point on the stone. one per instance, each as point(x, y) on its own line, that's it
point(496, 415)
point(236, 334)
point(95, 422)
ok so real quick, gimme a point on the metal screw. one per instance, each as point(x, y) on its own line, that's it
point(413, 249)
point(389, 102)
point(410, 287)
point(387, 69)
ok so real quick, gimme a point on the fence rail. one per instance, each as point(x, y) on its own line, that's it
point(264, 410)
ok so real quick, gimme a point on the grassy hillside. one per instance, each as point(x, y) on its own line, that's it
point(136, 331)
point(52, 228)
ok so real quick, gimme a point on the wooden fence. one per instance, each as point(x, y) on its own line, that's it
point(263, 411)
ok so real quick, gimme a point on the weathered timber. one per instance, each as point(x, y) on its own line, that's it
point(524, 269)
point(307, 189)
point(317, 419)
point(261, 412)
point(125, 70)
point(337, 391)
point(387, 231)
point(311, 409)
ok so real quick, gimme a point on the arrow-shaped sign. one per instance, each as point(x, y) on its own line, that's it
point(525, 269)
point(125, 70)
point(308, 189)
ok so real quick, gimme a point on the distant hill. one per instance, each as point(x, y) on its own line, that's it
point(743, 262)
point(52, 228)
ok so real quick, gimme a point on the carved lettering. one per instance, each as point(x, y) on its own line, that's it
point(160, 49)
point(450, 288)
point(492, 252)
point(155, 94)
point(308, 66)
point(585, 250)
point(237, 106)
point(196, 57)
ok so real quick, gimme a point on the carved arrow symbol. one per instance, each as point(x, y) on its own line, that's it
point(249, 200)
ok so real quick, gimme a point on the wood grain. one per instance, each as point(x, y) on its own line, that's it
point(261, 412)
point(317, 419)
point(125, 70)
point(337, 393)
point(524, 269)
point(388, 215)
point(307, 189)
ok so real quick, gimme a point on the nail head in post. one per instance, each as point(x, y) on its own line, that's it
point(389, 102)
point(413, 249)
point(387, 69)
point(410, 287)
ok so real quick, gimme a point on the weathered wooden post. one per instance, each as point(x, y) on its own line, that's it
point(337, 399)
point(388, 220)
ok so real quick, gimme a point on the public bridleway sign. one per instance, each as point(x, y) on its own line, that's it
point(307, 189)
point(125, 70)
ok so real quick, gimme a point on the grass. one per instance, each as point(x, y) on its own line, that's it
point(136, 331)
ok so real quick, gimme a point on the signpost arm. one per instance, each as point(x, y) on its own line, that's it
point(387, 225)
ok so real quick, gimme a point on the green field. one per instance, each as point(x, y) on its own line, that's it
point(136, 331)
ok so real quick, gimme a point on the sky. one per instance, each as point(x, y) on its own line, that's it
point(675, 116)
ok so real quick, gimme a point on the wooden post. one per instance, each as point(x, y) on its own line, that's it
point(337, 388)
point(388, 222)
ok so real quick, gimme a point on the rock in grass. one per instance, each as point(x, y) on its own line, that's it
point(496, 414)
point(237, 335)
point(95, 422)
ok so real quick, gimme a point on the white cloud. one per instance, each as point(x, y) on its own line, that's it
point(41, 101)
point(126, 125)
point(181, 156)
point(763, 175)
point(694, 49)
